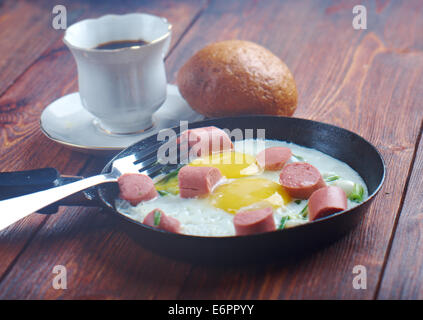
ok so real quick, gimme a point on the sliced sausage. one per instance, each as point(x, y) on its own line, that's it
point(273, 158)
point(158, 219)
point(197, 181)
point(301, 179)
point(254, 221)
point(326, 201)
point(136, 187)
point(207, 140)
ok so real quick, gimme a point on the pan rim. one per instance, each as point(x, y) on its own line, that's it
point(258, 235)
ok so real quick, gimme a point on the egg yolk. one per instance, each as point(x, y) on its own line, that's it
point(230, 163)
point(169, 185)
point(247, 192)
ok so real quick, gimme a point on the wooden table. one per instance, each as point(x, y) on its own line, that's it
point(368, 81)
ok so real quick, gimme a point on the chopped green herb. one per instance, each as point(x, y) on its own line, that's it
point(283, 222)
point(357, 193)
point(304, 212)
point(298, 201)
point(168, 184)
point(298, 157)
point(332, 178)
point(163, 192)
point(170, 175)
point(157, 216)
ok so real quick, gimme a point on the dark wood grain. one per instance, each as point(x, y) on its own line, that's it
point(101, 262)
point(23, 146)
point(350, 78)
point(403, 277)
point(24, 37)
point(26, 29)
point(368, 81)
point(26, 32)
point(50, 77)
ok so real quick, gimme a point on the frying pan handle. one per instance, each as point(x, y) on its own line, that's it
point(14, 184)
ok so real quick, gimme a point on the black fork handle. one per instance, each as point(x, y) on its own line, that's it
point(18, 183)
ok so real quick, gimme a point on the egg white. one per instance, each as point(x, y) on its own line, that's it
point(198, 217)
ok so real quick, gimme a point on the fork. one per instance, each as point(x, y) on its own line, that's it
point(145, 162)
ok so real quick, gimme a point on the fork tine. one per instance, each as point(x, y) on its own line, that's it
point(146, 163)
point(160, 176)
point(148, 152)
point(158, 173)
point(147, 160)
point(164, 168)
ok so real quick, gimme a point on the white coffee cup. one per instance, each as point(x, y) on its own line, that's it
point(121, 87)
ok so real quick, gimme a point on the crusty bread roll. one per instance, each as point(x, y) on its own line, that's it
point(237, 77)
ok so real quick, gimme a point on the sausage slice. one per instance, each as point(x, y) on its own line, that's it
point(136, 187)
point(254, 221)
point(326, 201)
point(301, 179)
point(274, 158)
point(197, 181)
point(158, 219)
point(205, 141)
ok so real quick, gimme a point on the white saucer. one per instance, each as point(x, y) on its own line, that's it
point(67, 122)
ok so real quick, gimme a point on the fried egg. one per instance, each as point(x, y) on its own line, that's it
point(244, 186)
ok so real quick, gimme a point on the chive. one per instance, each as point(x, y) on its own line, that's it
point(157, 216)
point(298, 157)
point(283, 222)
point(171, 175)
point(332, 178)
point(357, 194)
point(163, 192)
point(304, 212)
point(298, 201)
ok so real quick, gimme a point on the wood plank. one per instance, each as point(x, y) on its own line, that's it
point(403, 276)
point(26, 27)
point(25, 147)
point(341, 74)
point(328, 274)
point(102, 262)
point(24, 37)
point(26, 32)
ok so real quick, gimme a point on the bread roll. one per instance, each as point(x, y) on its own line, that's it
point(237, 77)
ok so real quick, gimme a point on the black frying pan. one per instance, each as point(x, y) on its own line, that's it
point(334, 141)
